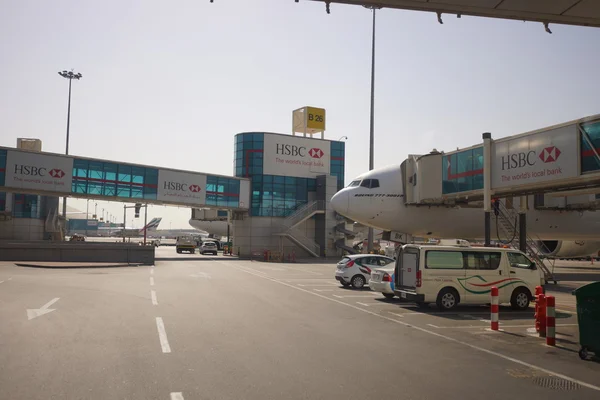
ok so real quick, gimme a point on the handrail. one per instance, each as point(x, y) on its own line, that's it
point(303, 213)
point(304, 241)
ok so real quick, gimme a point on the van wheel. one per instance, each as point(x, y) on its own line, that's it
point(358, 282)
point(447, 299)
point(178, 251)
point(520, 299)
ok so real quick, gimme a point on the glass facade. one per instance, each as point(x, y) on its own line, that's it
point(462, 171)
point(338, 151)
point(589, 162)
point(110, 179)
point(2, 178)
point(273, 195)
point(222, 191)
point(26, 206)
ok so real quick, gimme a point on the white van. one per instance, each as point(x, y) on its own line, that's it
point(449, 275)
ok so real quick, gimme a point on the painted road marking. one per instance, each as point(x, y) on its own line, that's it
point(162, 335)
point(151, 272)
point(151, 281)
point(38, 312)
point(316, 284)
point(434, 326)
point(323, 290)
point(1, 281)
point(362, 304)
point(153, 295)
point(201, 275)
point(502, 326)
point(258, 274)
point(360, 296)
point(467, 316)
point(176, 396)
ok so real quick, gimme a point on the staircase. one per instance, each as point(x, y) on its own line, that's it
point(289, 230)
point(507, 222)
point(341, 243)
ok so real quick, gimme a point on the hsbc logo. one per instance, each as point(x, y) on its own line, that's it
point(528, 158)
point(30, 170)
point(549, 154)
point(316, 153)
point(57, 173)
point(181, 187)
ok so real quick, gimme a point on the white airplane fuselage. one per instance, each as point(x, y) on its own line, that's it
point(383, 207)
point(216, 228)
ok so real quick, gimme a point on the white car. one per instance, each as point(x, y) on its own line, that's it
point(208, 247)
point(356, 269)
point(382, 280)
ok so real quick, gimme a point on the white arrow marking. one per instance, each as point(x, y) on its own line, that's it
point(36, 312)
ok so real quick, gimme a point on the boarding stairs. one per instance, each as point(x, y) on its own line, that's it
point(289, 226)
point(507, 222)
point(341, 243)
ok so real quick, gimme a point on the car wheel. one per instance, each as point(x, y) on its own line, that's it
point(583, 353)
point(178, 251)
point(447, 299)
point(358, 282)
point(520, 299)
point(389, 296)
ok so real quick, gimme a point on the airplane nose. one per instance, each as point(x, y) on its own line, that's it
point(339, 202)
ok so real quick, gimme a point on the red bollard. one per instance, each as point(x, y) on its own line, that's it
point(542, 315)
point(550, 321)
point(495, 308)
point(538, 290)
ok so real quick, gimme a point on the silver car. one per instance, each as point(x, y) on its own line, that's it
point(356, 269)
point(208, 247)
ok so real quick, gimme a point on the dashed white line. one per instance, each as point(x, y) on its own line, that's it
point(323, 290)
point(176, 396)
point(162, 335)
point(153, 295)
point(362, 304)
point(1, 281)
point(358, 296)
point(151, 281)
point(448, 338)
point(151, 272)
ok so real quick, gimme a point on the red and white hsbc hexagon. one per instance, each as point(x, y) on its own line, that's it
point(38, 171)
point(181, 187)
point(296, 156)
point(536, 157)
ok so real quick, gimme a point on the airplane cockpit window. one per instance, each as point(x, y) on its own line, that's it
point(354, 183)
point(370, 183)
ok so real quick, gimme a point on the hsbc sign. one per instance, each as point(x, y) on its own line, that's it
point(534, 158)
point(181, 187)
point(295, 156)
point(38, 171)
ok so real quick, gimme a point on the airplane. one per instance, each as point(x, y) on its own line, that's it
point(133, 232)
point(216, 229)
point(375, 199)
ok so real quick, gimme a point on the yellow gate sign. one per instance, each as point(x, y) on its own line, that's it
point(315, 118)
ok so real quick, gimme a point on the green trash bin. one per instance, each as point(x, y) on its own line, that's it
point(588, 318)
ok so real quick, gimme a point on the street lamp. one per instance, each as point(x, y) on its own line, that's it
point(70, 76)
point(343, 138)
point(372, 123)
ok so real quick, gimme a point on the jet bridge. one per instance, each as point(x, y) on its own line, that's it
point(553, 162)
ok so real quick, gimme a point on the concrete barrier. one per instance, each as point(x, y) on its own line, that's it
point(76, 252)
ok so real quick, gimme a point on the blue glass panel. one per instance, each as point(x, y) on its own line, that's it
point(123, 190)
point(589, 162)
point(137, 174)
point(124, 173)
point(95, 170)
point(95, 188)
point(151, 176)
point(136, 192)
point(110, 171)
point(2, 201)
point(278, 179)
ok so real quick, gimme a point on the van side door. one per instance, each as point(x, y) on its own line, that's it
point(485, 269)
point(443, 268)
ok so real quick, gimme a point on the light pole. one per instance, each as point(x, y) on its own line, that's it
point(96, 211)
point(70, 76)
point(372, 122)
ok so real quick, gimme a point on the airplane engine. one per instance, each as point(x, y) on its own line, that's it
point(569, 249)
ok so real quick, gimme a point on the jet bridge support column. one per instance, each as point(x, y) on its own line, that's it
point(487, 185)
point(523, 224)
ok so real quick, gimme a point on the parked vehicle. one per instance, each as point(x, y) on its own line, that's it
point(449, 275)
point(382, 281)
point(185, 243)
point(208, 247)
point(356, 269)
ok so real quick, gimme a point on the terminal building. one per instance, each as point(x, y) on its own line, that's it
point(277, 199)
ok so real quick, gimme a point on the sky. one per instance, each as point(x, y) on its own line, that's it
point(169, 84)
